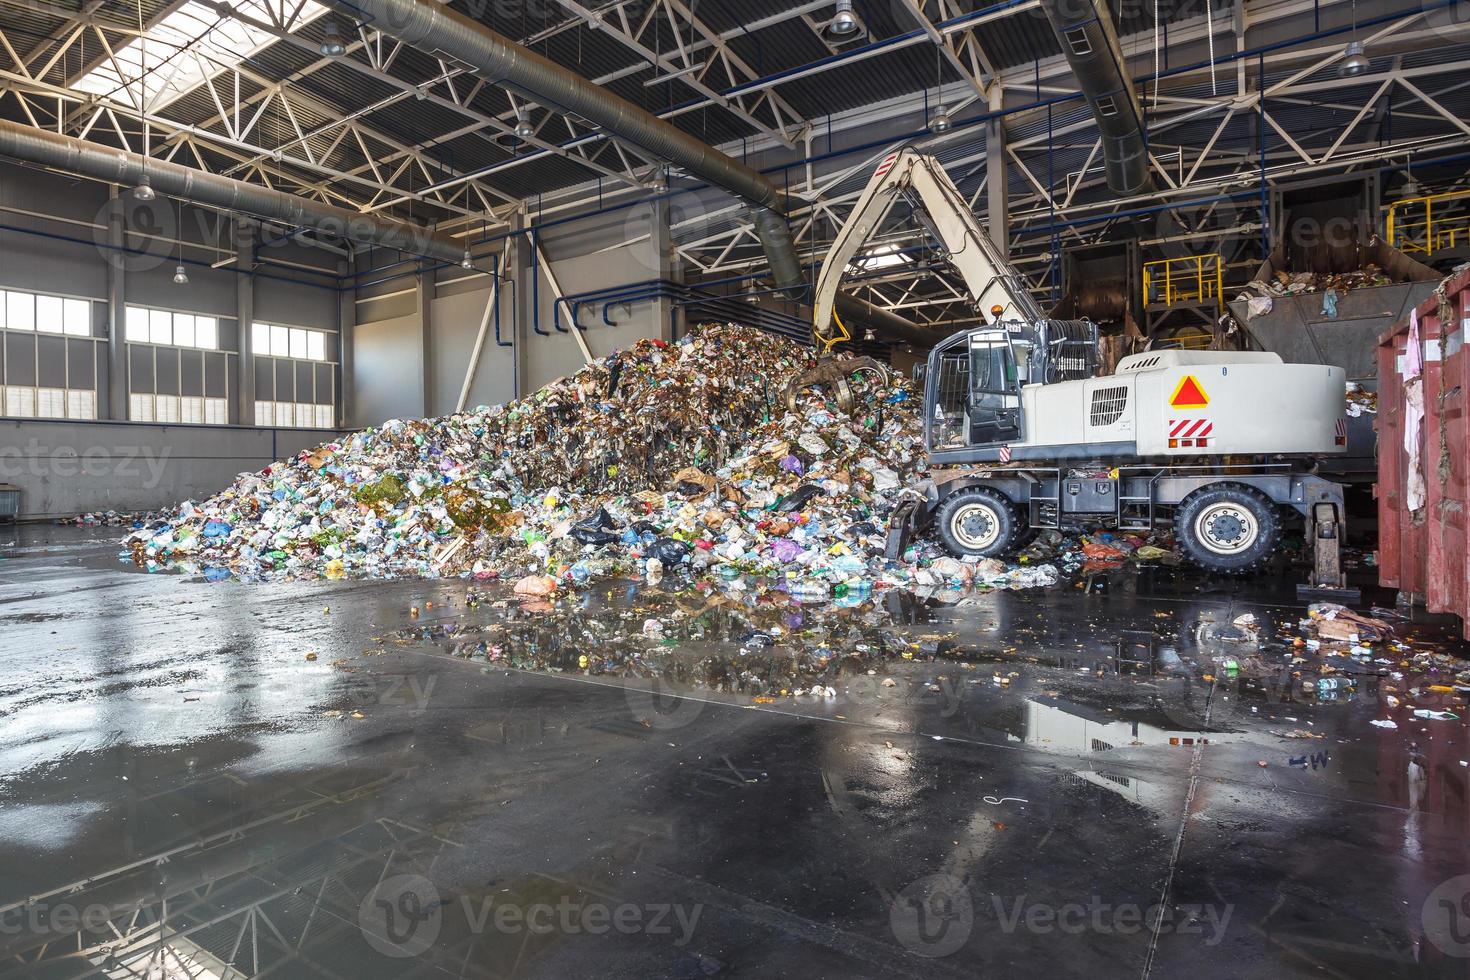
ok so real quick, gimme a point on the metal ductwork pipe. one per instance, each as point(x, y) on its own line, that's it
point(81, 158)
point(1089, 41)
point(441, 31)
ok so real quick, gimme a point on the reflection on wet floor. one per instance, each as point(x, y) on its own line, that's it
point(1116, 778)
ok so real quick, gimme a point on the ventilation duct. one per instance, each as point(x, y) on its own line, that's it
point(81, 158)
point(438, 30)
point(1090, 43)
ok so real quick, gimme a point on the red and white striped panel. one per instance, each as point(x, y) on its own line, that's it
point(887, 164)
point(1190, 433)
point(1005, 454)
point(1341, 432)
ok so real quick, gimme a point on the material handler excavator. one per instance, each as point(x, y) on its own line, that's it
point(1022, 436)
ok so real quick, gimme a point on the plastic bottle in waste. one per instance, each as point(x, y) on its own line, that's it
point(810, 590)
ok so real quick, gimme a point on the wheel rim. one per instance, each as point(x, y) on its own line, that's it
point(1227, 528)
point(976, 526)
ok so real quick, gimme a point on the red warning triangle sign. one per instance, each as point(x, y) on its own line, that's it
point(1189, 394)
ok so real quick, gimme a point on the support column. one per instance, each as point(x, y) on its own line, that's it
point(519, 269)
point(666, 266)
point(117, 313)
point(997, 194)
point(245, 321)
point(424, 293)
point(346, 324)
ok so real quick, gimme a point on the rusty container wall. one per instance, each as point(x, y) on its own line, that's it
point(1424, 554)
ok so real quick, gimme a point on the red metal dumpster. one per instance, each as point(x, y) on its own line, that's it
point(1423, 554)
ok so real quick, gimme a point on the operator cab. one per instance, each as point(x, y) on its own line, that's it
point(974, 379)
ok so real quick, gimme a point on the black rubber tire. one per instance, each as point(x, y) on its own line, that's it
point(1232, 502)
point(1025, 535)
point(996, 507)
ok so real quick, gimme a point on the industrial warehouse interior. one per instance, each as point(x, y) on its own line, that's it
point(697, 488)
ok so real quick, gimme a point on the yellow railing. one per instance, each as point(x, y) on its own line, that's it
point(1428, 224)
point(1190, 279)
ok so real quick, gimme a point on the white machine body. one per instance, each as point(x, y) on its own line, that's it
point(1194, 403)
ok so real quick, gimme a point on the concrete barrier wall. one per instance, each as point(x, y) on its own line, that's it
point(65, 468)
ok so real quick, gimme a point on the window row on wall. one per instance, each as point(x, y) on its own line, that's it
point(295, 393)
point(49, 403)
point(176, 369)
point(44, 313)
point(188, 409)
point(295, 342)
point(299, 415)
point(170, 329)
point(51, 377)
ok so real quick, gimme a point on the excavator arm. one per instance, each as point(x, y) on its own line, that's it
point(991, 281)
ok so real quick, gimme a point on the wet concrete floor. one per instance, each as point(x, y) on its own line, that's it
point(1054, 783)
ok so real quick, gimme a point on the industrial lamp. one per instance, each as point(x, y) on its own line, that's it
point(466, 262)
point(1354, 60)
point(1354, 57)
point(846, 22)
point(941, 122)
point(333, 44)
point(144, 190)
point(181, 277)
point(524, 129)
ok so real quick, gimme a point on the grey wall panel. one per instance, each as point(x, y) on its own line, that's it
point(455, 320)
point(51, 361)
point(305, 383)
point(265, 379)
point(208, 291)
point(191, 372)
point(216, 367)
point(20, 359)
point(389, 307)
point(285, 374)
point(47, 266)
point(387, 371)
point(66, 468)
point(81, 364)
point(293, 305)
point(140, 367)
point(325, 386)
point(166, 363)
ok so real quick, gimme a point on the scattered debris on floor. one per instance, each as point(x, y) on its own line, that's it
point(113, 518)
point(679, 459)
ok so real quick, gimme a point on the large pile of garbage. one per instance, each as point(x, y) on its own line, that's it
point(660, 457)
